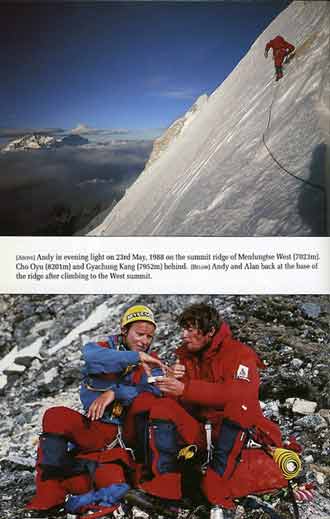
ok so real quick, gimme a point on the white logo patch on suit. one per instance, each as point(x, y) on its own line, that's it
point(243, 372)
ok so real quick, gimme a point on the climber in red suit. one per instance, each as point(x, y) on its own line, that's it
point(215, 380)
point(281, 49)
point(114, 374)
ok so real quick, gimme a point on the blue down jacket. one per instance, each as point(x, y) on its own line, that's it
point(109, 365)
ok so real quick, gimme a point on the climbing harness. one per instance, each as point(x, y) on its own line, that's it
point(118, 441)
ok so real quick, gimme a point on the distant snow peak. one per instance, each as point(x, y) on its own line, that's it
point(81, 128)
point(176, 128)
point(43, 142)
point(32, 142)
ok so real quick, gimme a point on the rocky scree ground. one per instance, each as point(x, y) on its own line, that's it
point(291, 334)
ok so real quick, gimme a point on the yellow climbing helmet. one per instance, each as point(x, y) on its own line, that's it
point(137, 313)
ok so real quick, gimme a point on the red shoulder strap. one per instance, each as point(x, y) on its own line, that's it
point(111, 342)
point(104, 344)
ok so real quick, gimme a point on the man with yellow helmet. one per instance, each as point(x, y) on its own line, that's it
point(110, 374)
point(115, 372)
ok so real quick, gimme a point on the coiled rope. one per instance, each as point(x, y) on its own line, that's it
point(288, 461)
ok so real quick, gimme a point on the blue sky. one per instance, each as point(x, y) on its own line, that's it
point(119, 65)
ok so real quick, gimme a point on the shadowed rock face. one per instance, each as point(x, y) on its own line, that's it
point(290, 333)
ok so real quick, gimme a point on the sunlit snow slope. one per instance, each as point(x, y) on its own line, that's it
point(217, 177)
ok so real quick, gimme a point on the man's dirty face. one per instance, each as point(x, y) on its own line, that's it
point(194, 339)
point(139, 336)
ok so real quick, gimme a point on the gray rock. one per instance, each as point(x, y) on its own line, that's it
point(21, 461)
point(325, 413)
point(320, 478)
point(314, 423)
point(271, 409)
point(311, 310)
point(296, 363)
point(3, 306)
point(40, 328)
point(304, 407)
point(50, 375)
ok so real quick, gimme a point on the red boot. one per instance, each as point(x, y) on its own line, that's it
point(49, 493)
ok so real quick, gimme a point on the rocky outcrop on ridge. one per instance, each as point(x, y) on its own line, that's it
point(290, 333)
point(161, 144)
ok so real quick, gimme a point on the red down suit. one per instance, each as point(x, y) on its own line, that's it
point(281, 48)
point(221, 387)
point(69, 440)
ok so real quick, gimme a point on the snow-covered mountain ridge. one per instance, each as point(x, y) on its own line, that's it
point(217, 177)
point(32, 142)
point(43, 142)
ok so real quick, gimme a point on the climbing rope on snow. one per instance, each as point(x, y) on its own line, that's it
point(315, 186)
point(270, 111)
point(311, 184)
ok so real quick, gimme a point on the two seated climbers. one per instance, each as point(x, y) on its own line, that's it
point(215, 381)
